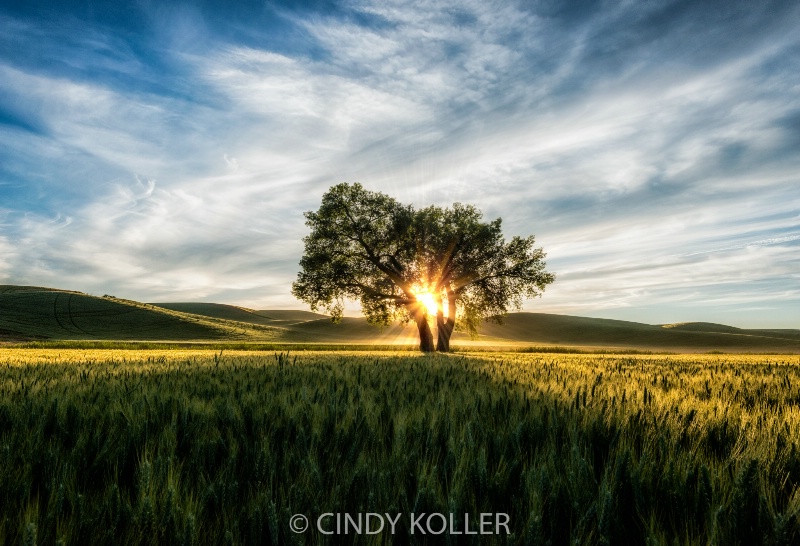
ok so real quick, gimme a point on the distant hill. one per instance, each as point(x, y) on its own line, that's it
point(28, 312)
point(45, 313)
point(353, 330)
point(243, 314)
point(290, 315)
point(722, 329)
point(303, 326)
point(571, 330)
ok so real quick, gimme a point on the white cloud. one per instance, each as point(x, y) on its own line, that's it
point(622, 175)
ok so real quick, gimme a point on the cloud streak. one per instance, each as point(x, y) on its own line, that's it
point(652, 148)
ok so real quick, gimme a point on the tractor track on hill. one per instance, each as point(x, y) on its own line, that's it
point(55, 311)
point(72, 317)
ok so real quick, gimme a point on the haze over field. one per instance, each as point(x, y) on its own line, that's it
point(167, 152)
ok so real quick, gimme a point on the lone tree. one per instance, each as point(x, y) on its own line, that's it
point(408, 264)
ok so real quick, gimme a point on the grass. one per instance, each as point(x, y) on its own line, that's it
point(200, 447)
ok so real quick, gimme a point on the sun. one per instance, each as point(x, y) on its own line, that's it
point(427, 299)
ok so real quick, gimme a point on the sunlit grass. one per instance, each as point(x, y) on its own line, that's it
point(215, 447)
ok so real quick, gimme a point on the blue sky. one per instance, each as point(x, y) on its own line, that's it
point(166, 152)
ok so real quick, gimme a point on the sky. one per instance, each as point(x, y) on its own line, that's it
point(166, 151)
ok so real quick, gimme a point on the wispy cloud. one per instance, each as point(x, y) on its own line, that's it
point(651, 147)
point(762, 242)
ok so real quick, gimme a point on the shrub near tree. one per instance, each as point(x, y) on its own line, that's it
point(414, 265)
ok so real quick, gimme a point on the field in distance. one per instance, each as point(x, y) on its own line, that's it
point(36, 313)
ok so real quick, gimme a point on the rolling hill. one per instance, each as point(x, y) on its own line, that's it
point(531, 328)
point(722, 329)
point(303, 326)
point(29, 313)
point(242, 314)
point(573, 331)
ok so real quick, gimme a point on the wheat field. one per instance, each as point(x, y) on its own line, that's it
point(203, 447)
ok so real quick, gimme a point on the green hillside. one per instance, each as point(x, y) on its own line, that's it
point(291, 315)
point(352, 330)
point(723, 329)
point(530, 328)
point(571, 330)
point(302, 326)
point(562, 330)
point(44, 313)
point(242, 314)
point(28, 312)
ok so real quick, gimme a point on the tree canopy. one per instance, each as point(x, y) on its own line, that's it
point(436, 263)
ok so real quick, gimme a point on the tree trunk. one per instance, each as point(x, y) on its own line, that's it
point(425, 333)
point(444, 329)
point(444, 326)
